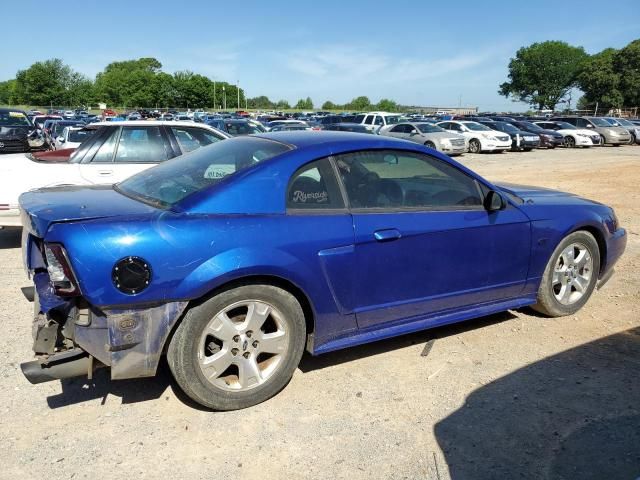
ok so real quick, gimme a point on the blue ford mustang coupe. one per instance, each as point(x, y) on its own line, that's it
point(235, 258)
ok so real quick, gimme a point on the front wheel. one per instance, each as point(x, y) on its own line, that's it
point(239, 347)
point(430, 145)
point(474, 146)
point(570, 275)
point(569, 141)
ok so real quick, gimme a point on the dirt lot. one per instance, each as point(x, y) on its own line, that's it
point(507, 396)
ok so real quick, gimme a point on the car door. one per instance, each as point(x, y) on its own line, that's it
point(127, 151)
point(424, 243)
point(399, 131)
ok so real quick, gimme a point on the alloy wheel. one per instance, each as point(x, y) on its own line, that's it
point(572, 274)
point(243, 345)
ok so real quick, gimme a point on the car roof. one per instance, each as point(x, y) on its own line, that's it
point(301, 139)
point(147, 123)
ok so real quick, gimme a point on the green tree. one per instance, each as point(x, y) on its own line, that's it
point(627, 63)
point(128, 83)
point(543, 73)
point(386, 105)
point(304, 104)
point(360, 104)
point(599, 81)
point(328, 105)
point(46, 83)
point(282, 105)
point(261, 102)
point(8, 92)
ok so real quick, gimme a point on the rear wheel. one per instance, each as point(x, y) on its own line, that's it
point(238, 348)
point(570, 275)
point(474, 146)
point(569, 141)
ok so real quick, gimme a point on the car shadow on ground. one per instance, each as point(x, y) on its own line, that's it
point(574, 415)
point(78, 390)
point(10, 237)
point(310, 363)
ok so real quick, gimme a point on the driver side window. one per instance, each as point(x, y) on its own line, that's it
point(395, 179)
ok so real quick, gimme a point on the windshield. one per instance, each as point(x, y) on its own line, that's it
point(623, 122)
point(478, 127)
point(599, 122)
point(14, 119)
point(531, 126)
point(392, 119)
point(566, 126)
point(174, 180)
point(429, 128)
point(507, 127)
point(79, 136)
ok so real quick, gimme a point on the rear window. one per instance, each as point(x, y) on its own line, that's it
point(174, 180)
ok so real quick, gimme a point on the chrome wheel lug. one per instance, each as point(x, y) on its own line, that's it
point(236, 338)
point(255, 344)
point(234, 351)
point(246, 354)
point(249, 333)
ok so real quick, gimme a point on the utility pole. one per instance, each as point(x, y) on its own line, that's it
point(214, 93)
point(224, 97)
point(238, 90)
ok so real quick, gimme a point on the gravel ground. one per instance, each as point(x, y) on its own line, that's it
point(513, 395)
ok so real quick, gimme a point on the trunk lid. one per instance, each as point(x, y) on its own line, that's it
point(43, 207)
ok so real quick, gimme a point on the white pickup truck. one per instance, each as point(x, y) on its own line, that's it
point(114, 152)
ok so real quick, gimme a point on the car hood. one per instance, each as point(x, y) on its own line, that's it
point(621, 130)
point(42, 207)
point(552, 133)
point(539, 195)
point(442, 135)
point(54, 156)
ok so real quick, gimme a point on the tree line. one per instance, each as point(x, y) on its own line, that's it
point(142, 83)
point(130, 83)
point(544, 75)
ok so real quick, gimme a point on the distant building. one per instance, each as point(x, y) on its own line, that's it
point(444, 110)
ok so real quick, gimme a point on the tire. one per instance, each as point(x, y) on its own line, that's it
point(474, 146)
point(194, 343)
point(430, 145)
point(557, 298)
point(632, 140)
point(569, 141)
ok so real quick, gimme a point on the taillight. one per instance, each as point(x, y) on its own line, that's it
point(61, 274)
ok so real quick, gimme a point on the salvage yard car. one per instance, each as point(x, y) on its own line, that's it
point(572, 136)
point(609, 134)
point(479, 137)
point(235, 258)
point(114, 152)
point(16, 131)
point(429, 135)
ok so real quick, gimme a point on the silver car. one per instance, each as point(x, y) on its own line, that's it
point(430, 135)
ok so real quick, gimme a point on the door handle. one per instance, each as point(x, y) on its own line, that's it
point(105, 173)
point(387, 235)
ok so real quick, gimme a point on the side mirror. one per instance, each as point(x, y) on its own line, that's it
point(61, 140)
point(494, 201)
point(413, 132)
point(589, 125)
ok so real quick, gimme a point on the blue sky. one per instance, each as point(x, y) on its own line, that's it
point(423, 53)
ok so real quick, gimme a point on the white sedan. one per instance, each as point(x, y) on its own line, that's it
point(573, 136)
point(114, 152)
point(480, 138)
point(72, 137)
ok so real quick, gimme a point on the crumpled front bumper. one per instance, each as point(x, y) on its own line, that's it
point(129, 341)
